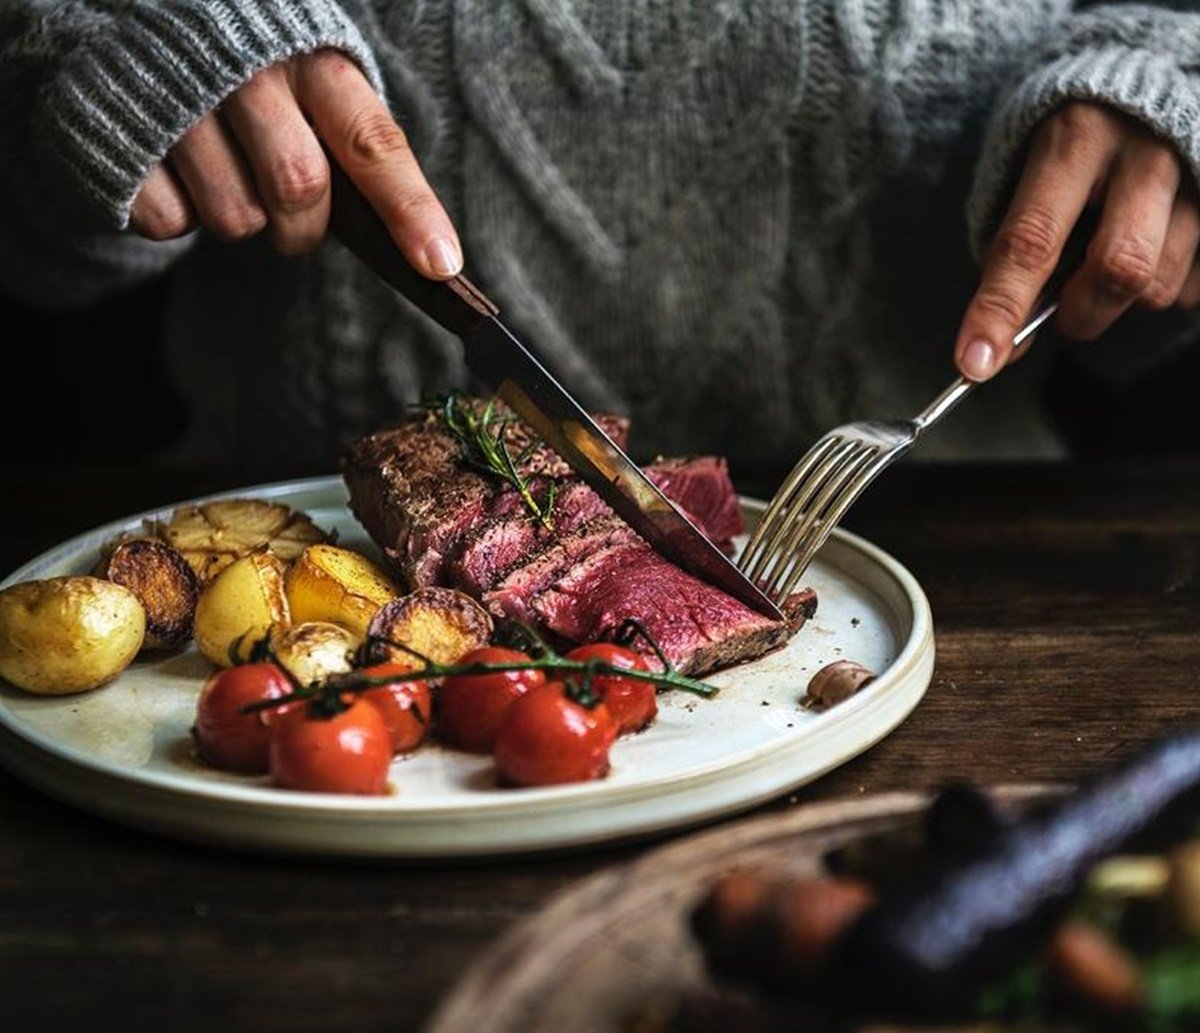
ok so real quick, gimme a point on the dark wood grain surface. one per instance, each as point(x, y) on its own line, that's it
point(1067, 609)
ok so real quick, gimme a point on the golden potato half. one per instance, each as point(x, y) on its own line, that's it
point(68, 634)
point(329, 583)
point(440, 624)
point(239, 607)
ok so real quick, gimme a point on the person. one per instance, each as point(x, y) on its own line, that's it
point(738, 223)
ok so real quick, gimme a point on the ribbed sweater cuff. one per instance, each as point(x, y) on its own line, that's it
point(1147, 85)
point(127, 95)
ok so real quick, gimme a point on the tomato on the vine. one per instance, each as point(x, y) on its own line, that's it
point(632, 703)
point(405, 706)
point(471, 706)
point(225, 736)
point(546, 738)
point(346, 752)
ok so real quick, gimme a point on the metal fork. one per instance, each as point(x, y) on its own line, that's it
point(832, 474)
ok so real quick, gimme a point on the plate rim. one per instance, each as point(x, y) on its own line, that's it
point(917, 648)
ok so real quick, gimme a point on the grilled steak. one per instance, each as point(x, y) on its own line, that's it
point(441, 522)
point(702, 488)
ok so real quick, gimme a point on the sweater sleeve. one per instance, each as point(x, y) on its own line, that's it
point(1140, 59)
point(93, 94)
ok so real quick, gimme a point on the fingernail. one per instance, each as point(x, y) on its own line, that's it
point(443, 257)
point(979, 359)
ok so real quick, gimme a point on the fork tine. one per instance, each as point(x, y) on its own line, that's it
point(770, 522)
point(820, 532)
point(824, 461)
point(802, 519)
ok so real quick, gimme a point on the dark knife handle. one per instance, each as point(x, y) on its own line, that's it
point(456, 304)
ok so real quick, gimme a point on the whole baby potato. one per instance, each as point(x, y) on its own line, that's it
point(68, 634)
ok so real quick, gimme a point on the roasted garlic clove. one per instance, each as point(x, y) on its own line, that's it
point(836, 682)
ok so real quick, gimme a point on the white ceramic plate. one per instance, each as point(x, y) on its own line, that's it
point(123, 751)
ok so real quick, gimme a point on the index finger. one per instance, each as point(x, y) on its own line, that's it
point(373, 150)
point(1063, 168)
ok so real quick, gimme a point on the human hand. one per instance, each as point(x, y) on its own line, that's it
point(1142, 251)
point(258, 164)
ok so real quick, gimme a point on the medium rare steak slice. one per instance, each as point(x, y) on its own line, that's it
point(513, 595)
point(701, 487)
point(699, 628)
point(508, 540)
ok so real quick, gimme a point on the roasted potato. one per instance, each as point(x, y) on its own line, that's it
point(214, 534)
point(239, 607)
point(313, 650)
point(164, 583)
point(438, 623)
point(68, 634)
point(329, 583)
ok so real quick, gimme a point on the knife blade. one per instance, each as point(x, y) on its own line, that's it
point(499, 359)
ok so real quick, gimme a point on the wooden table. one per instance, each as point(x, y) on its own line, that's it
point(1067, 611)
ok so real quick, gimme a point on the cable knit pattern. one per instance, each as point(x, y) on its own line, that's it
point(135, 85)
point(740, 221)
point(1137, 59)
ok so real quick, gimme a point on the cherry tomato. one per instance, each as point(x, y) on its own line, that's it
point(471, 706)
point(346, 753)
point(547, 738)
point(406, 707)
point(632, 704)
point(227, 738)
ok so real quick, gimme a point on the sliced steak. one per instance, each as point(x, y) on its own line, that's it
point(512, 597)
point(442, 523)
point(698, 627)
point(419, 502)
point(413, 495)
point(509, 539)
point(701, 486)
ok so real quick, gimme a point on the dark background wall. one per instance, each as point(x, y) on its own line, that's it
point(106, 400)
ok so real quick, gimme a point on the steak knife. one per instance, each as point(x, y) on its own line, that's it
point(495, 355)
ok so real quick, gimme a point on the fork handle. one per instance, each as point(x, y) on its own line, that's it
point(1071, 258)
point(961, 387)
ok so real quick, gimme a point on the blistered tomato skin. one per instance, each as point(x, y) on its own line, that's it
point(347, 753)
point(471, 707)
point(546, 738)
point(632, 704)
point(406, 707)
point(224, 736)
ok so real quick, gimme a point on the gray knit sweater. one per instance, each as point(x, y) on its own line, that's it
point(739, 221)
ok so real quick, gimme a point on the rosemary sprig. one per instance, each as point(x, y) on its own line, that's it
point(584, 672)
point(483, 437)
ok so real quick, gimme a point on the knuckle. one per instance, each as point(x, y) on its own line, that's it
point(373, 138)
point(164, 221)
point(297, 182)
point(998, 305)
point(1030, 239)
point(1126, 269)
